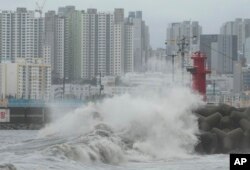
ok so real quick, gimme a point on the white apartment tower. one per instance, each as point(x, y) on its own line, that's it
point(123, 58)
point(97, 43)
point(104, 42)
point(21, 35)
point(88, 67)
point(117, 64)
point(129, 47)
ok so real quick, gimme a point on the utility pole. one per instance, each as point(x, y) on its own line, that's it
point(100, 83)
point(63, 88)
point(173, 56)
point(173, 70)
point(182, 46)
point(214, 87)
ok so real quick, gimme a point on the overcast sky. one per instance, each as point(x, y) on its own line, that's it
point(157, 13)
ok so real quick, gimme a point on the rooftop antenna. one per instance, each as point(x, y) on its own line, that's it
point(40, 6)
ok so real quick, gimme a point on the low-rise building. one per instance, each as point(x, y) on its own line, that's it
point(26, 80)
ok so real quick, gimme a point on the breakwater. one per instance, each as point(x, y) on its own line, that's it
point(223, 129)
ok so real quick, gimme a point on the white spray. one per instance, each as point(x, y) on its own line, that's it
point(159, 125)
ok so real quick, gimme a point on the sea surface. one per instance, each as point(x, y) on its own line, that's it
point(26, 152)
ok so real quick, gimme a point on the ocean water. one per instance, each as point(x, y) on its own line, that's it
point(149, 131)
point(26, 152)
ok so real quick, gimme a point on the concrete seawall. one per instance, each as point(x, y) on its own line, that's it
point(28, 118)
point(25, 117)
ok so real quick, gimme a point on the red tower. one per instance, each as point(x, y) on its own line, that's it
point(199, 72)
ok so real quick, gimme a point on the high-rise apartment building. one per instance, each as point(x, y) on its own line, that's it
point(223, 54)
point(22, 35)
point(66, 13)
point(54, 44)
point(241, 28)
point(123, 58)
point(97, 43)
point(140, 40)
point(117, 63)
point(247, 50)
point(128, 47)
point(76, 48)
point(206, 41)
point(89, 43)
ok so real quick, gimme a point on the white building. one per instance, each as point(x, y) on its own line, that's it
point(218, 84)
point(21, 35)
point(25, 79)
point(73, 91)
point(8, 79)
point(123, 58)
point(129, 47)
point(97, 43)
point(117, 65)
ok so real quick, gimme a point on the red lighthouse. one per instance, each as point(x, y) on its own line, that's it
point(199, 72)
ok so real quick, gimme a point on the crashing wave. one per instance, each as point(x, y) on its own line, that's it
point(128, 128)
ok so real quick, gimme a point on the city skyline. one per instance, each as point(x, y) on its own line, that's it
point(167, 12)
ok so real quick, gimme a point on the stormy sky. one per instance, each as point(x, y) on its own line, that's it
point(158, 13)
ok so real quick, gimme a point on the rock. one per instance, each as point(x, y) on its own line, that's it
point(207, 110)
point(233, 140)
point(225, 110)
point(245, 125)
point(247, 112)
point(210, 121)
point(225, 122)
point(208, 143)
point(236, 116)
